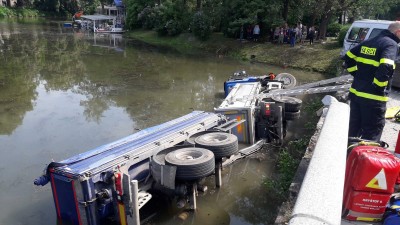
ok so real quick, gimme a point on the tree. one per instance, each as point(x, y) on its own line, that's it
point(329, 10)
point(230, 15)
point(133, 8)
point(105, 2)
point(285, 9)
point(237, 13)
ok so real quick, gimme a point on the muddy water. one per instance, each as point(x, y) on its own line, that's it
point(63, 92)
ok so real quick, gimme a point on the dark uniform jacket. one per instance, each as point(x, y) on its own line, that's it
point(372, 64)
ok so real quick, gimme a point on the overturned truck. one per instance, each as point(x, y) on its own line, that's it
point(113, 182)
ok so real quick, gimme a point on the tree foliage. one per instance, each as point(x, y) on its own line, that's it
point(170, 17)
point(246, 13)
point(133, 9)
point(66, 7)
point(201, 26)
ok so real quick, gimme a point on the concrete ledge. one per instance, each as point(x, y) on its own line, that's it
point(286, 209)
point(320, 197)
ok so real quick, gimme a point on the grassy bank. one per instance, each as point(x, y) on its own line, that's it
point(323, 58)
point(320, 57)
point(291, 154)
point(17, 12)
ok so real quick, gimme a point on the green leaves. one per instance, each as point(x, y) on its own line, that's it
point(201, 26)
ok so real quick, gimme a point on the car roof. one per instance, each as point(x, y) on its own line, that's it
point(367, 21)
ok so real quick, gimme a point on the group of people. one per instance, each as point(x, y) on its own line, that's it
point(294, 34)
point(280, 35)
point(250, 32)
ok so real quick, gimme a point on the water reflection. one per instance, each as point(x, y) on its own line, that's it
point(63, 92)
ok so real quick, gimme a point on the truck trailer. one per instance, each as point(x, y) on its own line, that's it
point(112, 182)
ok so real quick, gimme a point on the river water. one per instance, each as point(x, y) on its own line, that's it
point(63, 92)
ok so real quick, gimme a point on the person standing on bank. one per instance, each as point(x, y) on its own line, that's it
point(256, 32)
point(311, 35)
point(372, 64)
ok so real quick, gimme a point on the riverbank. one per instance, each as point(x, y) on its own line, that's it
point(17, 12)
point(322, 57)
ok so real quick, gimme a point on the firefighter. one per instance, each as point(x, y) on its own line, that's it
point(271, 76)
point(372, 64)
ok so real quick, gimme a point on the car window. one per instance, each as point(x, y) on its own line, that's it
point(357, 34)
point(375, 32)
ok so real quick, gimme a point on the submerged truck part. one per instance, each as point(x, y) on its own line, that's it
point(96, 185)
point(240, 104)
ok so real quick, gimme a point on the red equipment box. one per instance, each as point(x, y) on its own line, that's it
point(371, 173)
point(371, 168)
point(365, 206)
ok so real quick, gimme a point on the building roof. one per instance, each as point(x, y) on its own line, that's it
point(97, 17)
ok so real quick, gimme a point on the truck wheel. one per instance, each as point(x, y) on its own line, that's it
point(191, 163)
point(220, 143)
point(292, 104)
point(158, 160)
point(289, 81)
point(292, 115)
point(190, 140)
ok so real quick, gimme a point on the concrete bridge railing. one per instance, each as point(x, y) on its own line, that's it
point(320, 197)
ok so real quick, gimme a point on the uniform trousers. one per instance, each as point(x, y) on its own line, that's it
point(367, 118)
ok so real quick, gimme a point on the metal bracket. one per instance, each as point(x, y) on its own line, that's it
point(252, 149)
point(229, 125)
point(143, 198)
point(87, 203)
point(168, 174)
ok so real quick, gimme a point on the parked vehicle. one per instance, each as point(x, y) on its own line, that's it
point(362, 30)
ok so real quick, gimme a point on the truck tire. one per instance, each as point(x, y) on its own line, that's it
point(190, 140)
point(220, 143)
point(292, 115)
point(191, 163)
point(289, 81)
point(292, 104)
point(158, 160)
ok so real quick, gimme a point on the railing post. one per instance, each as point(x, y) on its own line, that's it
point(135, 202)
point(320, 197)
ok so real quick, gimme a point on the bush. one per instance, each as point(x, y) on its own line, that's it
point(18, 12)
point(342, 34)
point(27, 12)
point(233, 29)
point(333, 29)
point(4, 12)
point(133, 9)
point(173, 27)
point(170, 18)
point(148, 18)
point(201, 26)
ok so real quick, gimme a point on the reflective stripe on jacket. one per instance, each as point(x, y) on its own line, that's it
point(372, 64)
